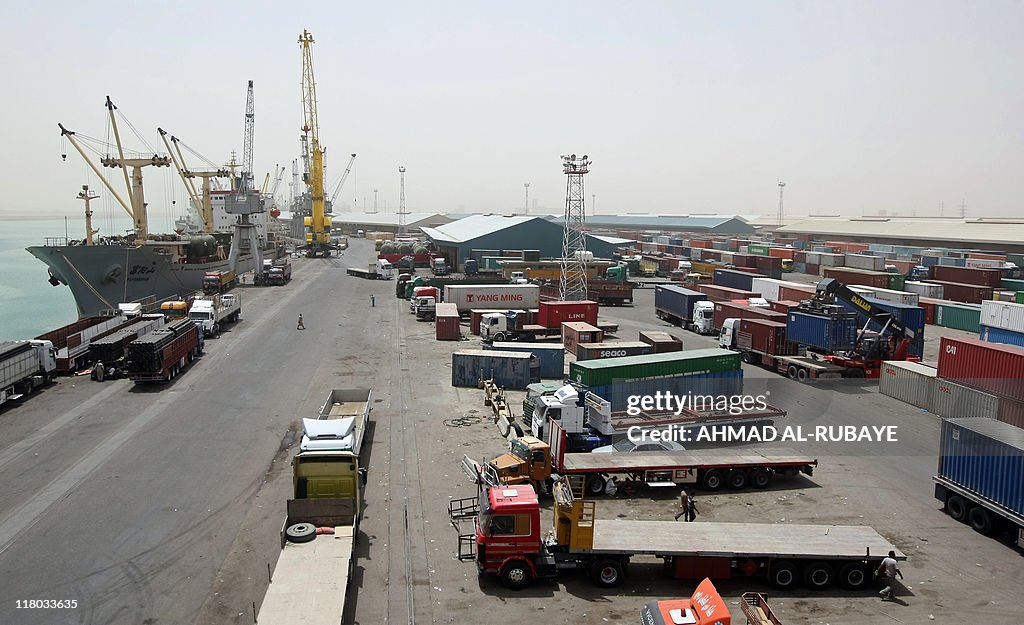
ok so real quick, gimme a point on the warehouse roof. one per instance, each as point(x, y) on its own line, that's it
point(611, 240)
point(476, 226)
point(387, 219)
point(998, 231)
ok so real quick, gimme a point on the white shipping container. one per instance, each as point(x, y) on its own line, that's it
point(831, 260)
point(767, 287)
point(726, 257)
point(897, 297)
point(861, 290)
point(864, 261)
point(1005, 315)
point(955, 401)
point(925, 289)
point(909, 382)
point(493, 296)
point(983, 263)
point(813, 258)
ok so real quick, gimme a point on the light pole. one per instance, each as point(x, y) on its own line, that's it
point(782, 185)
point(375, 201)
point(526, 206)
point(593, 204)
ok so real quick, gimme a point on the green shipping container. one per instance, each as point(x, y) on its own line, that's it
point(757, 250)
point(605, 371)
point(1016, 259)
point(1013, 285)
point(897, 282)
point(1020, 297)
point(966, 317)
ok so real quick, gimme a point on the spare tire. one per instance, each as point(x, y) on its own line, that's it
point(300, 532)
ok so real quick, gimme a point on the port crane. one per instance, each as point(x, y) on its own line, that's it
point(318, 236)
point(201, 203)
point(246, 200)
point(344, 177)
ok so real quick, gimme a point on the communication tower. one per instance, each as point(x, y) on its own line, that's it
point(401, 203)
point(572, 283)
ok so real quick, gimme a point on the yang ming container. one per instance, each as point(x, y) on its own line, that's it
point(550, 356)
point(985, 457)
point(511, 370)
point(612, 349)
point(829, 333)
point(909, 382)
point(989, 367)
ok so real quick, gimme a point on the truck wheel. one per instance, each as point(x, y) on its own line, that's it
point(516, 575)
point(595, 485)
point(712, 479)
point(982, 521)
point(801, 375)
point(818, 575)
point(957, 508)
point(737, 479)
point(791, 372)
point(761, 477)
point(607, 573)
point(300, 532)
point(853, 575)
point(854, 373)
point(500, 337)
point(783, 575)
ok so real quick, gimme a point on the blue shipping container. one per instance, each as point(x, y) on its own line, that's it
point(675, 303)
point(912, 318)
point(999, 335)
point(836, 333)
point(511, 370)
point(723, 383)
point(551, 356)
point(929, 261)
point(736, 279)
point(986, 457)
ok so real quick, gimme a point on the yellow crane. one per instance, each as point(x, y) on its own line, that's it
point(318, 236)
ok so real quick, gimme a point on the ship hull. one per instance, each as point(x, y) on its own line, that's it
point(102, 276)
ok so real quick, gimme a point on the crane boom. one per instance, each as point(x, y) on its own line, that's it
point(250, 125)
point(344, 177)
point(318, 239)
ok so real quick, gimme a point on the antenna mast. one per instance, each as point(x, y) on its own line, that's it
point(572, 283)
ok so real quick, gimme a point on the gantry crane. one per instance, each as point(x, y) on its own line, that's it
point(318, 236)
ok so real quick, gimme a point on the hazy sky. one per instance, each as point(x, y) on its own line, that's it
point(683, 106)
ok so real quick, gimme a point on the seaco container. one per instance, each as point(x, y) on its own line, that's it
point(829, 333)
point(446, 323)
point(985, 457)
point(999, 335)
point(553, 313)
point(604, 372)
point(576, 332)
point(989, 367)
point(550, 356)
point(675, 303)
point(612, 349)
point(909, 382)
point(767, 337)
point(1003, 315)
point(991, 278)
point(662, 342)
point(511, 370)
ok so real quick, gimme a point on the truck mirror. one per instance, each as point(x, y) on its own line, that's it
point(362, 471)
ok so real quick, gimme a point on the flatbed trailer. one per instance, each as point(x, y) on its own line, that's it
point(803, 367)
point(362, 273)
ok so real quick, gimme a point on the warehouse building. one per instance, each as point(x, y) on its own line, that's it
point(695, 224)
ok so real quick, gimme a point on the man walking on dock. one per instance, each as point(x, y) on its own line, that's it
point(889, 569)
point(300, 326)
point(684, 506)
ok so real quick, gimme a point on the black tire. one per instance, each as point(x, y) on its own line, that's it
point(819, 575)
point(791, 372)
point(783, 575)
point(854, 374)
point(595, 485)
point(607, 573)
point(957, 508)
point(982, 521)
point(500, 337)
point(801, 375)
point(760, 477)
point(518, 429)
point(300, 532)
point(853, 575)
point(713, 480)
point(748, 358)
point(516, 575)
point(736, 479)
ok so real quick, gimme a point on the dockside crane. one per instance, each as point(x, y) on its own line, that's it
point(318, 235)
point(344, 177)
point(246, 200)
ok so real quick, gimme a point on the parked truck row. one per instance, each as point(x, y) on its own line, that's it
point(211, 313)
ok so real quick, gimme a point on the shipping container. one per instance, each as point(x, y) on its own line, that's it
point(675, 303)
point(783, 306)
point(717, 384)
point(550, 356)
point(494, 296)
point(553, 313)
point(909, 382)
point(661, 342)
point(924, 289)
point(758, 250)
point(446, 323)
point(965, 317)
point(766, 337)
point(984, 457)
point(604, 372)
point(849, 275)
point(952, 400)
point(911, 316)
point(475, 315)
point(865, 261)
point(781, 252)
point(510, 370)
point(966, 293)
point(1011, 412)
point(929, 306)
point(796, 293)
point(768, 265)
point(897, 282)
point(730, 310)
point(612, 349)
point(829, 333)
point(990, 367)
point(991, 278)
point(576, 332)
point(834, 259)
point(734, 279)
point(1004, 315)
point(723, 294)
point(1001, 335)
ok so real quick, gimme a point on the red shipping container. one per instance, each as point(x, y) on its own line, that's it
point(576, 332)
point(796, 294)
point(857, 247)
point(991, 367)
point(741, 261)
point(723, 294)
point(812, 269)
point(982, 256)
point(768, 263)
point(1011, 412)
point(661, 341)
point(765, 336)
point(446, 323)
point(733, 310)
point(859, 277)
point(783, 306)
point(799, 256)
point(474, 320)
point(967, 275)
point(781, 252)
point(967, 293)
point(929, 308)
point(552, 314)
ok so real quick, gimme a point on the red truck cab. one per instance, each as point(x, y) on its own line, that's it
point(508, 534)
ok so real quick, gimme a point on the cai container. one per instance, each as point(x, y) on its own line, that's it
point(985, 457)
point(550, 356)
point(909, 382)
point(989, 367)
point(511, 370)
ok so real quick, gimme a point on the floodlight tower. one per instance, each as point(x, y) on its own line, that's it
point(572, 283)
point(526, 205)
point(401, 202)
point(782, 185)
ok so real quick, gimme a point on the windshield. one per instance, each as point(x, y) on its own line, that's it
point(199, 315)
point(520, 449)
point(623, 445)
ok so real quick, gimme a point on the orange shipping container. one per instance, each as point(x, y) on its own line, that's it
point(781, 252)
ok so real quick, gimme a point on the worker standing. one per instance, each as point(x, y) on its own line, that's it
point(889, 569)
point(300, 325)
point(373, 301)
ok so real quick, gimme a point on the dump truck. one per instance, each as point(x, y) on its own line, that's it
point(218, 281)
point(280, 273)
point(211, 313)
point(24, 367)
point(310, 581)
point(506, 539)
point(162, 354)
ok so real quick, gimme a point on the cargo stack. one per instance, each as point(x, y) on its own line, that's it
point(550, 356)
point(1002, 322)
point(986, 376)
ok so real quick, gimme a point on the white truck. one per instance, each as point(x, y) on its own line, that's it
point(492, 296)
point(382, 269)
point(24, 367)
point(211, 313)
point(703, 317)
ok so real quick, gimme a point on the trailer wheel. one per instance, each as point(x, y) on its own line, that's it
point(818, 575)
point(607, 573)
point(801, 375)
point(791, 372)
point(761, 478)
point(516, 575)
point(981, 520)
point(595, 485)
point(957, 508)
point(854, 373)
point(300, 532)
point(853, 575)
point(713, 479)
point(783, 574)
point(737, 479)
